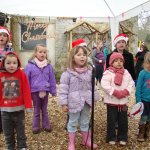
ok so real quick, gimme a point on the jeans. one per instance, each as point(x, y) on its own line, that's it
point(81, 118)
point(40, 105)
point(120, 115)
point(14, 121)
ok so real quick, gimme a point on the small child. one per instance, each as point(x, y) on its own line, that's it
point(75, 96)
point(143, 95)
point(4, 47)
point(42, 82)
point(117, 84)
point(12, 107)
point(4, 42)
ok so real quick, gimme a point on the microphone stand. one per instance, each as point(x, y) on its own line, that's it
point(92, 111)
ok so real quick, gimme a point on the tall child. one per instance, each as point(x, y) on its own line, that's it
point(117, 84)
point(14, 98)
point(142, 95)
point(76, 96)
point(4, 48)
point(42, 82)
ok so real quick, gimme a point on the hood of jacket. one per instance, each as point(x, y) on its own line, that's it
point(13, 53)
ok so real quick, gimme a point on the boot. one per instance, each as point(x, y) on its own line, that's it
point(71, 145)
point(147, 130)
point(86, 140)
point(141, 135)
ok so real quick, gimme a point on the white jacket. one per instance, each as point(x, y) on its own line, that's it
point(109, 86)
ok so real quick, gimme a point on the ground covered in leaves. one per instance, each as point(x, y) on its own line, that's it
point(58, 140)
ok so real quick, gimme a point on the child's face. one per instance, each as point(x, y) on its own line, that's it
point(99, 45)
point(41, 53)
point(121, 45)
point(3, 38)
point(11, 64)
point(80, 58)
point(118, 63)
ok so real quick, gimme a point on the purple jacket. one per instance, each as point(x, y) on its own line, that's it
point(41, 79)
point(76, 90)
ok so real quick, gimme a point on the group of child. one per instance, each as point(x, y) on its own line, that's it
point(75, 93)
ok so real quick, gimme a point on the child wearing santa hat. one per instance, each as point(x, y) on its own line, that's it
point(4, 42)
point(120, 44)
point(117, 84)
point(4, 48)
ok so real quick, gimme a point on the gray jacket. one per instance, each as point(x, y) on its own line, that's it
point(75, 90)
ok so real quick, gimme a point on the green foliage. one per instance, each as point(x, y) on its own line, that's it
point(58, 72)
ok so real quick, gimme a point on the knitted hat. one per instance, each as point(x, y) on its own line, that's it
point(114, 56)
point(120, 37)
point(79, 42)
point(4, 30)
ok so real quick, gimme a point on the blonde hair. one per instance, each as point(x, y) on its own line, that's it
point(36, 49)
point(71, 63)
point(146, 63)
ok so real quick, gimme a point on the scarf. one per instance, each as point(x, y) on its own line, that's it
point(40, 64)
point(81, 70)
point(118, 75)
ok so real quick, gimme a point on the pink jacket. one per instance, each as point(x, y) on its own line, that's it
point(109, 86)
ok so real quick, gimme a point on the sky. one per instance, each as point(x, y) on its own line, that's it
point(68, 8)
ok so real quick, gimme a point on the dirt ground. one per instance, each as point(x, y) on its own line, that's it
point(58, 140)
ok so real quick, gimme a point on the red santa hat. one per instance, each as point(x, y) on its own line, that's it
point(4, 30)
point(79, 42)
point(136, 110)
point(120, 37)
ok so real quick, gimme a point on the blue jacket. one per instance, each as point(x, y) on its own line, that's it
point(143, 86)
point(41, 79)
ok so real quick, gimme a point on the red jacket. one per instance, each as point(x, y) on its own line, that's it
point(14, 91)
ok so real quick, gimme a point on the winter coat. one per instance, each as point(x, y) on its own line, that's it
point(109, 86)
point(41, 79)
point(15, 92)
point(96, 56)
point(75, 90)
point(139, 61)
point(128, 64)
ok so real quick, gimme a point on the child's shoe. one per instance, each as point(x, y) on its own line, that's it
point(112, 142)
point(141, 134)
point(47, 130)
point(36, 131)
point(123, 143)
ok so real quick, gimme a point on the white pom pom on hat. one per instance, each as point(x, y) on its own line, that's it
point(4, 30)
point(120, 37)
point(79, 42)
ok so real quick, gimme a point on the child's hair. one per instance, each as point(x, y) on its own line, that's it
point(35, 50)
point(146, 63)
point(10, 55)
point(74, 51)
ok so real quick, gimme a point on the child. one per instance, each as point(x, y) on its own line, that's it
point(99, 60)
point(117, 84)
point(76, 96)
point(12, 107)
point(142, 95)
point(4, 42)
point(4, 47)
point(42, 82)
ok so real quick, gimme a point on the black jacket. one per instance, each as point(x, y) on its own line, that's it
point(128, 64)
point(140, 59)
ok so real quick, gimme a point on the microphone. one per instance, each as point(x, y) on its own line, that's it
point(90, 62)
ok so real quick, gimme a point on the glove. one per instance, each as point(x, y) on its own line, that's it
point(125, 92)
point(42, 94)
point(121, 93)
point(100, 61)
